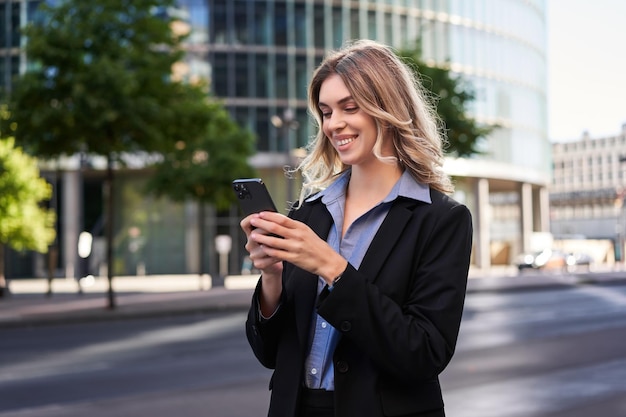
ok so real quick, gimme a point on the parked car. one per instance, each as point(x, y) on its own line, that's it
point(579, 259)
point(547, 259)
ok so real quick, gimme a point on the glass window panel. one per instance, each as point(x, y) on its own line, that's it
point(219, 24)
point(300, 24)
point(404, 32)
point(302, 133)
point(282, 80)
point(242, 116)
point(372, 31)
point(262, 129)
point(241, 22)
point(337, 27)
point(220, 75)
point(3, 76)
point(241, 75)
point(15, 66)
point(261, 24)
point(280, 24)
point(15, 25)
point(354, 24)
point(261, 72)
point(302, 76)
point(318, 26)
point(388, 28)
point(32, 13)
point(3, 30)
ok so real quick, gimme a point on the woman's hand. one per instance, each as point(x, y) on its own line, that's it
point(260, 259)
point(271, 268)
point(297, 244)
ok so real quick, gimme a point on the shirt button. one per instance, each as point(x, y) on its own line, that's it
point(324, 325)
point(346, 326)
point(313, 371)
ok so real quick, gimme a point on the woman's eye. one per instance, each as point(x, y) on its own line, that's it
point(351, 109)
point(326, 115)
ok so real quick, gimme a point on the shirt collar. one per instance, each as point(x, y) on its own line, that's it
point(406, 187)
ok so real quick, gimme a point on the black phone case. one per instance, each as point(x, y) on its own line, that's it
point(253, 196)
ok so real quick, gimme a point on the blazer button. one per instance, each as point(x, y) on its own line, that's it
point(345, 326)
point(342, 367)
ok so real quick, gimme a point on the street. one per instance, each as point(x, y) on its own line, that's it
point(551, 353)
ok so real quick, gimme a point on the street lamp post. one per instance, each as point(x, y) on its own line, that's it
point(286, 124)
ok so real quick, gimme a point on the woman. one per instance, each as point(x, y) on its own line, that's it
point(360, 298)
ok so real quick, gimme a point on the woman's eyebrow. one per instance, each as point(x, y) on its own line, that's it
point(342, 101)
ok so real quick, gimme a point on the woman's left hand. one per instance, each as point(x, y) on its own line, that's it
point(297, 244)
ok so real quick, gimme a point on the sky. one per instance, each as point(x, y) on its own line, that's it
point(586, 68)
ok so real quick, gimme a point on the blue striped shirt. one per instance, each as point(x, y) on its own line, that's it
point(319, 369)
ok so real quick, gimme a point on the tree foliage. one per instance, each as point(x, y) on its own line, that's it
point(452, 95)
point(203, 168)
point(100, 81)
point(24, 223)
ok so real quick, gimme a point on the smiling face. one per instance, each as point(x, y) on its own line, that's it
point(351, 131)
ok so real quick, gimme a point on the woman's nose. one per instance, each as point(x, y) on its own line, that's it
point(336, 122)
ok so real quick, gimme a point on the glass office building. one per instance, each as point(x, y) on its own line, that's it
point(258, 57)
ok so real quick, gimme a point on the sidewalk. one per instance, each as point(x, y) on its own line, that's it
point(135, 297)
point(167, 295)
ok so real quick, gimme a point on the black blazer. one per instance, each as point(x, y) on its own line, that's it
point(399, 314)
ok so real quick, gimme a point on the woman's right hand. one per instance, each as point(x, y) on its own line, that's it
point(271, 269)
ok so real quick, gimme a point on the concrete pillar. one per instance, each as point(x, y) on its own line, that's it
point(482, 245)
point(192, 238)
point(543, 209)
point(71, 216)
point(526, 215)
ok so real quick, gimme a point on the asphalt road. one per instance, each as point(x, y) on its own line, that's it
point(553, 353)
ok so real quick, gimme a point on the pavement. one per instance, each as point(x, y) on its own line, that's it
point(34, 302)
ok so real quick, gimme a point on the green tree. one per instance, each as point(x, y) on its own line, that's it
point(100, 82)
point(202, 168)
point(24, 223)
point(452, 95)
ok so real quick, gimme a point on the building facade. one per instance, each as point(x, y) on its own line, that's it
point(588, 191)
point(258, 56)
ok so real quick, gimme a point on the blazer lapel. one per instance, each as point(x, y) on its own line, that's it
point(386, 237)
point(305, 283)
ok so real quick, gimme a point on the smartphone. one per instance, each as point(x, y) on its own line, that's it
point(253, 196)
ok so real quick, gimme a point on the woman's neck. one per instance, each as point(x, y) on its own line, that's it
point(374, 182)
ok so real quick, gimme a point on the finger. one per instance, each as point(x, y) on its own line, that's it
point(246, 225)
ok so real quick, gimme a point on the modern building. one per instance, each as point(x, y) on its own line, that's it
point(588, 190)
point(259, 55)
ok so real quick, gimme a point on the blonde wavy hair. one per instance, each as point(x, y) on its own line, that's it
point(385, 88)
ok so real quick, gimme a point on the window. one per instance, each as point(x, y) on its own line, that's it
point(241, 76)
point(220, 75)
point(260, 72)
point(354, 24)
point(261, 24)
point(241, 22)
point(337, 27)
point(219, 24)
point(280, 24)
point(300, 24)
point(318, 26)
point(371, 24)
point(282, 80)
point(262, 129)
